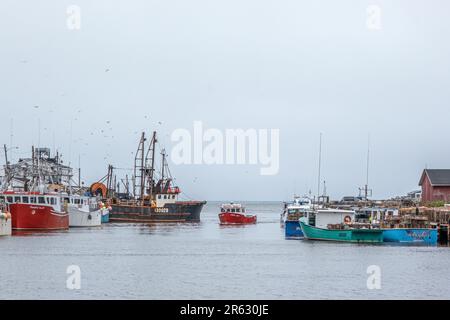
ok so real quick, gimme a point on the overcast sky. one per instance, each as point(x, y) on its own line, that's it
point(303, 67)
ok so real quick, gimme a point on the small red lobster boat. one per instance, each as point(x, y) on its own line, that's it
point(234, 213)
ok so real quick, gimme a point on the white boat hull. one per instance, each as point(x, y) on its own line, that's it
point(5, 227)
point(78, 218)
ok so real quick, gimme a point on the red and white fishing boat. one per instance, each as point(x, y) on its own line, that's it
point(36, 210)
point(234, 213)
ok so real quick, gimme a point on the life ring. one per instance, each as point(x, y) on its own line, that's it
point(347, 219)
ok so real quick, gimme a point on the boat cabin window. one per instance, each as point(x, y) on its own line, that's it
point(9, 199)
point(2, 198)
point(159, 196)
point(77, 201)
point(223, 210)
point(32, 199)
point(16, 199)
point(25, 199)
point(173, 196)
point(52, 201)
point(41, 200)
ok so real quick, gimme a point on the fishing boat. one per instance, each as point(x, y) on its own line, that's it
point(31, 191)
point(235, 214)
point(154, 198)
point(36, 210)
point(408, 229)
point(342, 234)
point(301, 207)
point(339, 225)
point(83, 211)
point(5, 221)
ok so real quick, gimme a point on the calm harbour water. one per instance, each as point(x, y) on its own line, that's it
point(207, 261)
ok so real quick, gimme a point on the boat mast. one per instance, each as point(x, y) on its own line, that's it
point(320, 163)
point(79, 172)
point(139, 170)
point(366, 191)
point(7, 164)
point(142, 168)
point(163, 164)
point(152, 168)
point(127, 185)
point(33, 168)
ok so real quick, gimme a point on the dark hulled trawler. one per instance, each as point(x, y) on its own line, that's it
point(154, 198)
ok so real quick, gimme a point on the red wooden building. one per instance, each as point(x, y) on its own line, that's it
point(435, 185)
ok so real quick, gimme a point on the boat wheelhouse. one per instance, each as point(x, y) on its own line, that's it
point(330, 216)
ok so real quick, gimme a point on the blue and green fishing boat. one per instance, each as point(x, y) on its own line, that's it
point(342, 235)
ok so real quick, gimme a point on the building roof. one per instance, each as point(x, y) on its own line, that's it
point(437, 177)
